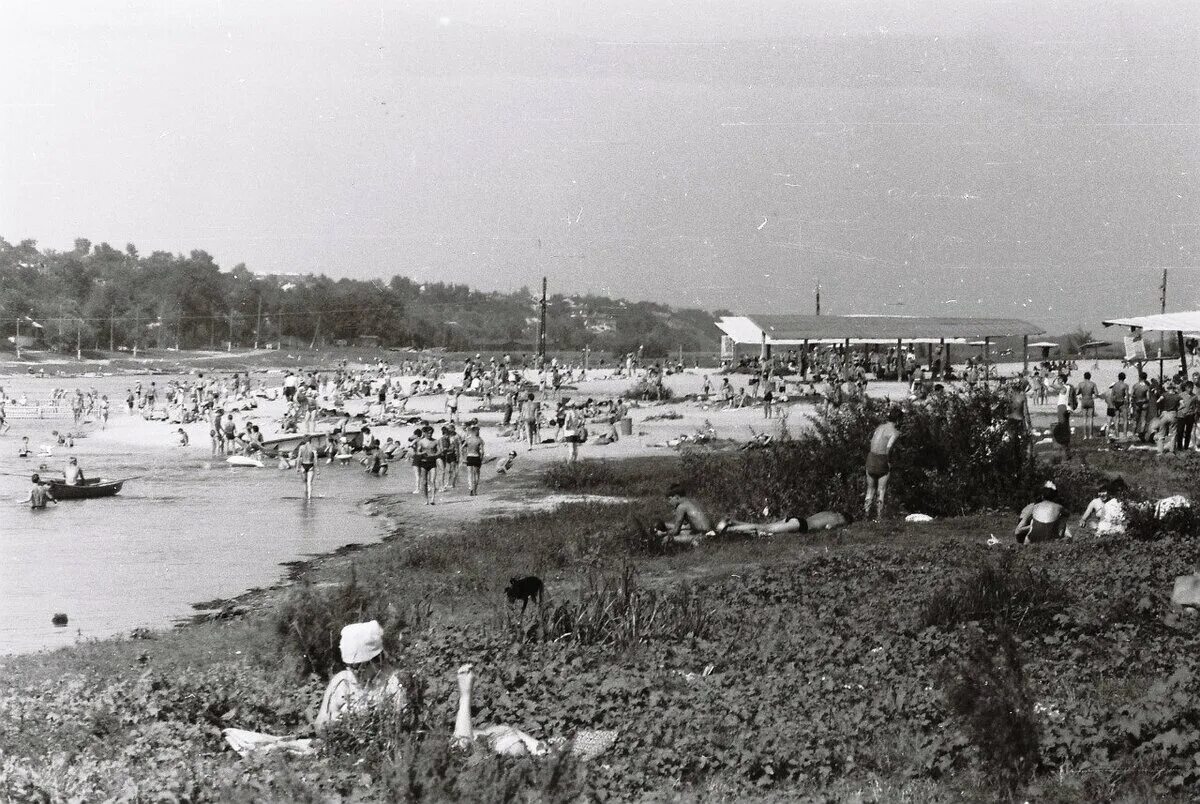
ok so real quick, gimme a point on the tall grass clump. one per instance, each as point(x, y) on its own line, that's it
point(309, 621)
point(1004, 593)
point(429, 769)
point(954, 457)
point(633, 477)
point(989, 697)
point(611, 609)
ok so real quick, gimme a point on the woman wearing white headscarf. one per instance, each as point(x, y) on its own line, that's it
point(363, 685)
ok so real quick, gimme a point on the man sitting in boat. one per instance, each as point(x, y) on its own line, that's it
point(73, 472)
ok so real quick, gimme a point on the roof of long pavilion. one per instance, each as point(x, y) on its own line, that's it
point(789, 330)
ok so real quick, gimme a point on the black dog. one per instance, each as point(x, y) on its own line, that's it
point(525, 589)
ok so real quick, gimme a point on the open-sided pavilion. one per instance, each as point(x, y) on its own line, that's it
point(768, 331)
point(1181, 324)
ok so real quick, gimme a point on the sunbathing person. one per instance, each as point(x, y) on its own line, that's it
point(364, 685)
point(822, 520)
point(1042, 520)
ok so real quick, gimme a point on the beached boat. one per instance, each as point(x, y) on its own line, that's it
point(87, 490)
point(287, 443)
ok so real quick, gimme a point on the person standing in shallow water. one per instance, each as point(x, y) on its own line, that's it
point(39, 495)
point(879, 457)
point(306, 465)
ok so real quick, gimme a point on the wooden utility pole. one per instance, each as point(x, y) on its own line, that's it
point(112, 313)
point(18, 340)
point(542, 329)
point(818, 298)
point(1161, 334)
point(258, 324)
point(78, 335)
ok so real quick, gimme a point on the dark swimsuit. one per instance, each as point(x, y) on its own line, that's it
point(1042, 531)
point(878, 466)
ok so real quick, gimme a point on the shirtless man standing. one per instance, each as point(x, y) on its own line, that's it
point(472, 452)
point(879, 464)
point(529, 418)
point(1086, 390)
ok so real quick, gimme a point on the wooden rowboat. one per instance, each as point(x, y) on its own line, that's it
point(87, 490)
point(288, 443)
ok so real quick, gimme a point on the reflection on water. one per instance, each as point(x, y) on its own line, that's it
point(188, 529)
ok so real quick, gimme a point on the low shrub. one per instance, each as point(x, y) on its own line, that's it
point(954, 456)
point(647, 391)
point(309, 621)
point(1145, 522)
point(1006, 593)
point(634, 477)
point(579, 476)
point(429, 769)
point(989, 697)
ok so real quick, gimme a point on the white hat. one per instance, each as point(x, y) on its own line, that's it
point(361, 642)
point(1050, 485)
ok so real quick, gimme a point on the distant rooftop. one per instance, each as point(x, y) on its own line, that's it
point(789, 330)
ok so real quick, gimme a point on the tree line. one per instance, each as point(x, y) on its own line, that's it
point(103, 298)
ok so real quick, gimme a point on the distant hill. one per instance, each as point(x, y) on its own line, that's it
point(106, 298)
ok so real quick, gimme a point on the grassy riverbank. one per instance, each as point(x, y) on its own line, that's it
point(839, 666)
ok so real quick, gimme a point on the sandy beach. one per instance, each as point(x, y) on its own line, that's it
point(351, 509)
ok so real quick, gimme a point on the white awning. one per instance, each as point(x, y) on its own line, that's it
point(1163, 322)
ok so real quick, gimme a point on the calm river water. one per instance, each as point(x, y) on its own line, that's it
point(189, 529)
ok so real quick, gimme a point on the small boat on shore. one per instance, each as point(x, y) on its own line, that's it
point(87, 490)
point(288, 443)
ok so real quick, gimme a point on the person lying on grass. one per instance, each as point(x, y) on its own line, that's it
point(365, 684)
point(1042, 520)
point(822, 520)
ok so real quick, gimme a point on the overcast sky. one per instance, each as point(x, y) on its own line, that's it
point(1034, 159)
